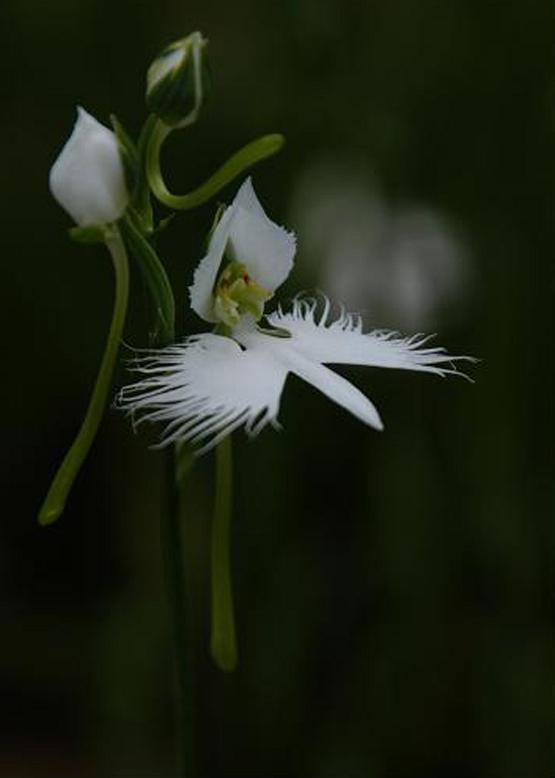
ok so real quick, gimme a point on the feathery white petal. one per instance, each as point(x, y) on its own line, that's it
point(342, 341)
point(204, 388)
point(207, 271)
point(335, 387)
point(257, 242)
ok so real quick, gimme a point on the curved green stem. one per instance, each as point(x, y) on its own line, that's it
point(141, 193)
point(223, 644)
point(173, 551)
point(244, 158)
point(60, 488)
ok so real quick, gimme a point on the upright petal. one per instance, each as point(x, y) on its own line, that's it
point(204, 388)
point(343, 342)
point(257, 242)
point(207, 271)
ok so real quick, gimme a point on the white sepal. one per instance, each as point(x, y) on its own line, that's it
point(252, 239)
point(87, 179)
point(206, 274)
point(256, 241)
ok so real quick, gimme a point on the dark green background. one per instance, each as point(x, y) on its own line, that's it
point(394, 591)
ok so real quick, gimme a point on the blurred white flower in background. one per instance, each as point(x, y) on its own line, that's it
point(401, 264)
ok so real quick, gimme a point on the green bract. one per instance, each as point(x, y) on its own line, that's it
point(177, 81)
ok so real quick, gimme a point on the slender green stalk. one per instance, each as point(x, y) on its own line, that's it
point(178, 460)
point(156, 279)
point(223, 645)
point(249, 155)
point(141, 193)
point(173, 552)
point(60, 488)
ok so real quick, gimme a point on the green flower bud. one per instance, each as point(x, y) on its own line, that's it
point(177, 81)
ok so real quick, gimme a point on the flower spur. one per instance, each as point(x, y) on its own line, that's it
point(210, 384)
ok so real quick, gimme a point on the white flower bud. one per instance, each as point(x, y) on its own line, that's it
point(87, 179)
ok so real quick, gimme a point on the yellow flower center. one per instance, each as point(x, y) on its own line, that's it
point(237, 294)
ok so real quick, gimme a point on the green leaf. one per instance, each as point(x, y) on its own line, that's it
point(128, 151)
point(132, 161)
point(155, 276)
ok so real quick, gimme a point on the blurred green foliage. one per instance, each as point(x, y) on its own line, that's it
point(394, 591)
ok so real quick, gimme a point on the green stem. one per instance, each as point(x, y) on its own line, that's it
point(141, 194)
point(223, 646)
point(156, 133)
point(60, 488)
point(173, 552)
point(156, 279)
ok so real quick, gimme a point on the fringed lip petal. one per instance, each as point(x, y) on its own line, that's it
point(335, 387)
point(343, 342)
point(204, 388)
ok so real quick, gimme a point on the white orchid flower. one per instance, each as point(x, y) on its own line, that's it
point(261, 257)
point(87, 179)
point(210, 384)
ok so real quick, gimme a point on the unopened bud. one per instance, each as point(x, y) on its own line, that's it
point(177, 81)
point(87, 178)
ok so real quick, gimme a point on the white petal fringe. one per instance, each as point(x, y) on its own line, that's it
point(203, 389)
point(342, 341)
